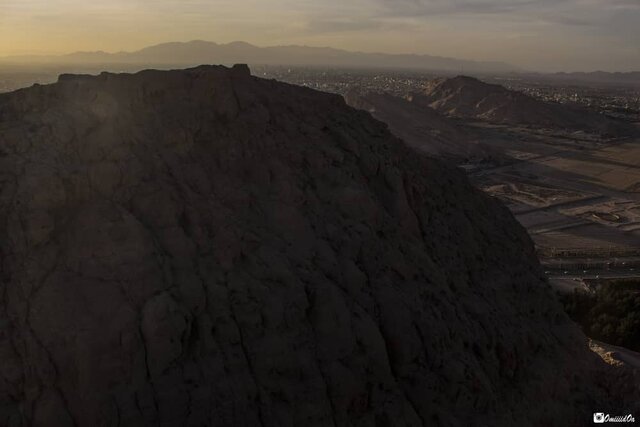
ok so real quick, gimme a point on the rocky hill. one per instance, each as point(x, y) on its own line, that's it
point(470, 98)
point(425, 129)
point(203, 247)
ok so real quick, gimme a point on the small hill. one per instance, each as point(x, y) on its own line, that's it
point(470, 98)
point(425, 129)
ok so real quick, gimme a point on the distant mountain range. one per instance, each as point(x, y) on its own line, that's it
point(204, 52)
point(198, 52)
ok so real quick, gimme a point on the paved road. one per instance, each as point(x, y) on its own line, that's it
point(589, 200)
point(630, 273)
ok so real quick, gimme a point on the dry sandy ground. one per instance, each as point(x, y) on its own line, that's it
point(570, 194)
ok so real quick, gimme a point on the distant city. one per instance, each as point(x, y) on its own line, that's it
point(614, 100)
point(619, 100)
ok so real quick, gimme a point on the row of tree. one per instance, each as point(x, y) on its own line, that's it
point(610, 314)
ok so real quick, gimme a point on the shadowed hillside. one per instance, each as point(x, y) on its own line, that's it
point(425, 129)
point(203, 247)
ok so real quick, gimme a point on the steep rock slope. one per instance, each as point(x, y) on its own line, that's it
point(425, 129)
point(468, 97)
point(202, 247)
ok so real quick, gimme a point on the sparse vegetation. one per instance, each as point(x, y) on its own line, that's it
point(610, 314)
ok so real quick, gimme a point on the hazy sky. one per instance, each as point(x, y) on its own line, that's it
point(534, 34)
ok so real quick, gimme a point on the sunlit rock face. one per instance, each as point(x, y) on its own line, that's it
point(202, 247)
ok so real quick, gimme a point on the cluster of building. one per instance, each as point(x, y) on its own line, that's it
point(615, 101)
point(623, 102)
point(342, 81)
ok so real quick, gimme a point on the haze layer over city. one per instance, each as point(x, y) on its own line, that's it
point(295, 213)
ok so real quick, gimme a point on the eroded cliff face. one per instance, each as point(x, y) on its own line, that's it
point(202, 247)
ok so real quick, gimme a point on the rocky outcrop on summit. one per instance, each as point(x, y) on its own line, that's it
point(425, 129)
point(203, 247)
point(468, 97)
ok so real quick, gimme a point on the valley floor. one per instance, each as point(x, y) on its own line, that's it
point(578, 197)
